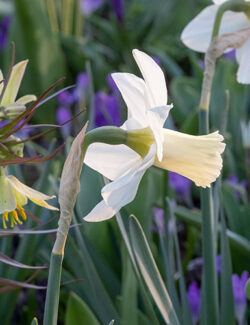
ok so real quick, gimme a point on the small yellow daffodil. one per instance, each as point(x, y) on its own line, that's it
point(14, 195)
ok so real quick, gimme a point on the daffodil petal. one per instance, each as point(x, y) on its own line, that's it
point(7, 197)
point(195, 157)
point(156, 119)
point(101, 212)
point(111, 161)
point(26, 99)
point(154, 78)
point(28, 191)
point(242, 56)
point(42, 203)
point(123, 190)
point(131, 124)
point(14, 83)
point(219, 2)
point(133, 90)
point(21, 199)
point(197, 34)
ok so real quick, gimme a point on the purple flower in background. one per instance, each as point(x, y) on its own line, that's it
point(65, 98)
point(194, 299)
point(233, 180)
point(240, 298)
point(181, 186)
point(4, 28)
point(159, 220)
point(112, 85)
point(89, 6)
point(118, 6)
point(82, 83)
point(63, 114)
point(231, 55)
point(107, 109)
point(157, 60)
point(218, 264)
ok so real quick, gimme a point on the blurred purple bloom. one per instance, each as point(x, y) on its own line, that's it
point(194, 299)
point(63, 114)
point(233, 180)
point(65, 98)
point(4, 28)
point(159, 220)
point(112, 85)
point(179, 183)
point(230, 55)
point(240, 298)
point(82, 83)
point(218, 264)
point(118, 6)
point(89, 6)
point(107, 110)
point(157, 60)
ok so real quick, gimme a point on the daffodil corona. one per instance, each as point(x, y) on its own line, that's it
point(148, 143)
point(14, 195)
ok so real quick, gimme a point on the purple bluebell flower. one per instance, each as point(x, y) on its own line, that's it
point(4, 28)
point(63, 114)
point(112, 85)
point(118, 6)
point(218, 264)
point(90, 6)
point(82, 83)
point(240, 298)
point(233, 180)
point(181, 186)
point(194, 299)
point(157, 60)
point(65, 98)
point(107, 109)
point(159, 220)
point(231, 55)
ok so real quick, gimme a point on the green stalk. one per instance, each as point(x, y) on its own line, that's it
point(52, 297)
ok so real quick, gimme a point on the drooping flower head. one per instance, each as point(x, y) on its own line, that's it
point(197, 34)
point(148, 143)
point(14, 195)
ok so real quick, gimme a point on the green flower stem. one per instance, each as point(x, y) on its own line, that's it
point(232, 5)
point(52, 297)
point(109, 135)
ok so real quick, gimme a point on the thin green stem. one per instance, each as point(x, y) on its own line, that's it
point(53, 291)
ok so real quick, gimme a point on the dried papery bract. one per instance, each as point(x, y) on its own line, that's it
point(217, 47)
point(69, 189)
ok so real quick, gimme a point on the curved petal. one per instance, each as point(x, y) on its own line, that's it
point(156, 118)
point(26, 99)
point(100, 212)
point(43, 204)
point(14, 82)
point(242, 56)
point(123, 190)
point(21, 199)
point(112, 161)
point(7, 197)
point(195, 157)
point(35, 196)
point(133, 90)
point(154, 78)
point(219, 2)
point(197, 34)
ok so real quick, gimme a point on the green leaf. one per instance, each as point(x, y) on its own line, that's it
point(227, 299)
point(150, 273)
point(34, 321)
point(41, 46)
point(78, 312)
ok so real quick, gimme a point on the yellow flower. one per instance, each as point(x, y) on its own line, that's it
point(14, 195)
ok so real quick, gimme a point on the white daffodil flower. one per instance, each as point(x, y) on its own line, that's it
point(14, 195)
point(196, 157)
point(197, 34)
point(11, 106)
